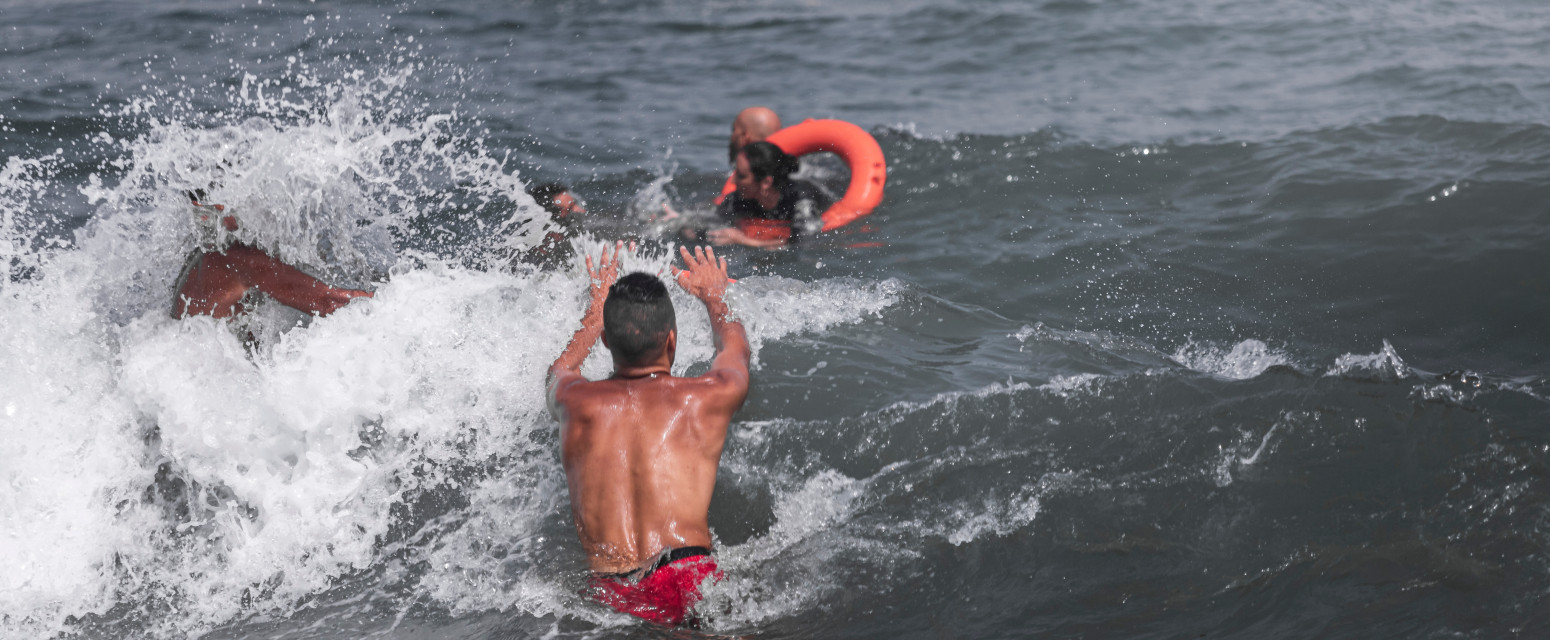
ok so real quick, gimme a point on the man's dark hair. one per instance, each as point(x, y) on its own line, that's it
point(766, 159)
point(544, 194)
point(637, 315)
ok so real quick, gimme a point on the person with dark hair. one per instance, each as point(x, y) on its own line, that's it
point(565, 211)
point(752, 124)
point(557, 199)
point(641, 448)
point(218, 280)
point(769, 207)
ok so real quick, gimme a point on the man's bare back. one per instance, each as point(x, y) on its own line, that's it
point(640, 457)
point(641, 448)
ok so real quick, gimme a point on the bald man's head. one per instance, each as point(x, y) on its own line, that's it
point(752, 125)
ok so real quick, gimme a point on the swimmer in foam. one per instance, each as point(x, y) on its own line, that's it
point(641, 448)
point(565, 212)
point(218, 281)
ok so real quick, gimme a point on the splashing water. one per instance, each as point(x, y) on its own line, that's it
point(1245, 360)
point(165, 475)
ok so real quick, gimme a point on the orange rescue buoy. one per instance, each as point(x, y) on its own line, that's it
point(855, 146)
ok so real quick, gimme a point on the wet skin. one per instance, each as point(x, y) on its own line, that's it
point(641, 448)
point(216, 285)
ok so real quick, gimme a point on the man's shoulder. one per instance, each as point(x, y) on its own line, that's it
point(571, 387)
point(668, 387)
point(664, 389)
point(720, 387)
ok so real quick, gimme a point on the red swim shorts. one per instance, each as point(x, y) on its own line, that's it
point(664, 594)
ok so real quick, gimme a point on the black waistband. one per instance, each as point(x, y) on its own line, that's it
point(674, 555)
point(667, 557)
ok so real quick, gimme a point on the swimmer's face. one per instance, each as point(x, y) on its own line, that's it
point(568, 205)
point(743, 179)
point(740, 138)
point(739, 133)
point(751, 125)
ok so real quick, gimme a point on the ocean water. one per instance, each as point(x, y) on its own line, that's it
point(1178, 319)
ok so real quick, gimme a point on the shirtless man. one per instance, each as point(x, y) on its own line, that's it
point(214, 281)
point(641, 448)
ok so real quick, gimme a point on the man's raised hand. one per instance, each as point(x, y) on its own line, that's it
point(606, 271)
point(704, 275)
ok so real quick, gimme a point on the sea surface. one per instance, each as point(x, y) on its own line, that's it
point(1179, 318)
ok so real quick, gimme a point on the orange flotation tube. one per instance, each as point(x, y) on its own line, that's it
point(855, 146)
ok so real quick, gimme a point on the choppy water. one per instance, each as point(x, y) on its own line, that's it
point(1179, 319)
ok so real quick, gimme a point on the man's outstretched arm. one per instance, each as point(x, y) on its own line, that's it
point(566, 369)
point(734, 235)
point(287, 284)
point(705, 277)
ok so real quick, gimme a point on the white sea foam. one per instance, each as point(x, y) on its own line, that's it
point(996, 516)
point(1385, 364)
point(834, 518)
point(810, 517)
point(279, 465)
point(951, 398)
point(1442, 392)
point(912, 130)
point(21, 188)
point(773, 307)
point(1245, 360)
point(822, 500)
point(1250, 448)
point(1067, 386)
point(70, 465)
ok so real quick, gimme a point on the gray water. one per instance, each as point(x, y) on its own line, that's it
point(1178, 319)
